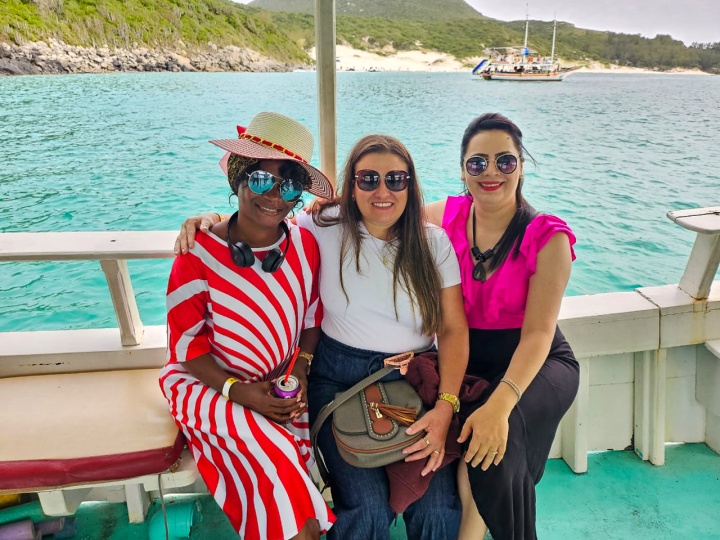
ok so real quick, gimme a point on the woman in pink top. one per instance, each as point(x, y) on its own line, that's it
point(515, 265)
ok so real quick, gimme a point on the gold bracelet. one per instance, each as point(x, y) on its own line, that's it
point(451, 399)
point(219, 217)
point(307, 356)
point(515, 387)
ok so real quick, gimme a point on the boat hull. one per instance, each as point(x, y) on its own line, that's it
point(525, 77)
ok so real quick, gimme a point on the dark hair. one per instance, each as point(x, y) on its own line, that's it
point(239, 167)
point(414, 268)
point(515, 232)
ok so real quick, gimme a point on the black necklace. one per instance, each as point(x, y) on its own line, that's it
point(479, 273)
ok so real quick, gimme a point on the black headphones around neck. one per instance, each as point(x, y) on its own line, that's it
point(242, 254)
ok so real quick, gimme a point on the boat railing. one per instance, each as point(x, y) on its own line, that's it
point(84, 415)
point(650, 358)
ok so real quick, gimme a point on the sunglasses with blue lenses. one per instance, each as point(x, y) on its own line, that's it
point(369, 180)
point(261, 182)
point(476, 165)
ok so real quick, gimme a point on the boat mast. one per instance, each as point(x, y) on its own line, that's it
point(527, 22)
point(552, 52)
point(327, 84)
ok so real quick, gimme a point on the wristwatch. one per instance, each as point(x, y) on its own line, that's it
point(452, 400)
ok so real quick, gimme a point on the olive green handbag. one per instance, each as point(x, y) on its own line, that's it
point(369, 420)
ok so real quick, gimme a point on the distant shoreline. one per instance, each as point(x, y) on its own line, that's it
point(349, 59)
point(58, 58)
point(55, 57)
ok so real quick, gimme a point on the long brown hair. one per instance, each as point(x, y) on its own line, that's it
point(414, 267)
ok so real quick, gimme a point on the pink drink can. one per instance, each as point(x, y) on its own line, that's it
point(286, 389)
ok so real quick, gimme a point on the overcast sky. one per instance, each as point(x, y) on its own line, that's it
point(687, 20)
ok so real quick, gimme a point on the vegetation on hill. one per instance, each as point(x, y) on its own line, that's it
point(469, 38)
point(449, 26)
point(171, 24)
point(412, 10)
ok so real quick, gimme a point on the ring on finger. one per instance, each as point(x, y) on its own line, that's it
point(437, 452)
point(427, 442)
point(493, 454)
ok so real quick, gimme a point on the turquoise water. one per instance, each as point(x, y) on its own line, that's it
point(129, 152)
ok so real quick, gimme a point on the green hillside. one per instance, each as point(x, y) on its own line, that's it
point(449, 26)
point(413, 10)
point(150, 23)
point(470, 37)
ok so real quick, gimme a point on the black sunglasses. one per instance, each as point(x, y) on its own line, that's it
point(476, 165)
point(369, 180)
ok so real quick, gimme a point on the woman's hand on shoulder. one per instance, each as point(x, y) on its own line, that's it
point(186, 238)
point(434, 212)
point(488, 428)
point(259, 397)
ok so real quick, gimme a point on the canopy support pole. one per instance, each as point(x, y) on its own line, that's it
point(327, 87)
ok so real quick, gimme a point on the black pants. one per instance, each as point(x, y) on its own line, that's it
point(505, 494)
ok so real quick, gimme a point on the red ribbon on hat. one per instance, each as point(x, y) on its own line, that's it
point(269, 144)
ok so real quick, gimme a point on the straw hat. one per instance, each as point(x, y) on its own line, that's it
point(275, 136)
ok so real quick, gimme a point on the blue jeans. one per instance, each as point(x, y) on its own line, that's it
point(360, 496)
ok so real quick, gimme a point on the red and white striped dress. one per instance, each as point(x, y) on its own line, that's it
point(250, 322)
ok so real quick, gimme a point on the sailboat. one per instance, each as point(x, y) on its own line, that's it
point(522, 63)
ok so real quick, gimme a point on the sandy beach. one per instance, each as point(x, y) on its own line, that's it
point(349, 59)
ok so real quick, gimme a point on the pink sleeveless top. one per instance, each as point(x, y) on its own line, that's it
point(499, 302)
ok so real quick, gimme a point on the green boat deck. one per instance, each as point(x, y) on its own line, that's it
point(620, 497)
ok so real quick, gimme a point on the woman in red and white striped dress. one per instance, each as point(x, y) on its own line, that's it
point(240, 304)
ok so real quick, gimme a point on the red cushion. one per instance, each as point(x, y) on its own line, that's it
point(39, 475)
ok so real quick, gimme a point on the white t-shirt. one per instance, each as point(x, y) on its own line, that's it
point(368, 320)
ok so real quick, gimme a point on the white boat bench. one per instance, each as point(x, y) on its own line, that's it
point(649, 371)
point(649, 359)
point(82, 412)
point(697, 281)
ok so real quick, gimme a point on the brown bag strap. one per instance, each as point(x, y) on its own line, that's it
point(399, 361)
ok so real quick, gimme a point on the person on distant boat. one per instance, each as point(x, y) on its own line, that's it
point(515, 265)
point(239, 306)
point(390, 283)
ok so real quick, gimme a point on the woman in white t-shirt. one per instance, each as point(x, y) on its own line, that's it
point(389, 283)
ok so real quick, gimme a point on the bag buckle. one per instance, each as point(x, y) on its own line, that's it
point(400, 361)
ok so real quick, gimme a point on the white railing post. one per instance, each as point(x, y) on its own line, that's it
point(575, 423)
point(325, 65)
point(649, 425)
point(705, 256)
point(123, 299)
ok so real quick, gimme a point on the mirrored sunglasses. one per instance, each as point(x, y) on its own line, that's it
point(369, 180)
point(261, 182)
point(476, 165)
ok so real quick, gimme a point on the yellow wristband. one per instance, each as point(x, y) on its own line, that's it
point(226, 387)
